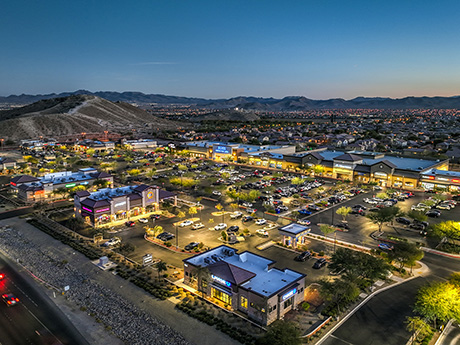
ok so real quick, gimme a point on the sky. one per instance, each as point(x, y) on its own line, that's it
point(226, 48)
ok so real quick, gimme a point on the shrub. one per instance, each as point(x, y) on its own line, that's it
point(305, 306)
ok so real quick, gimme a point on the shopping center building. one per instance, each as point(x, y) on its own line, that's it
point(113, 204)
point(33, 189)
point(246, 282)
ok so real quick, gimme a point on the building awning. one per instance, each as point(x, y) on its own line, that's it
point(221, 288)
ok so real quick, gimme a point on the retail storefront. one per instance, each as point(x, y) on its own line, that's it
point(246, 282)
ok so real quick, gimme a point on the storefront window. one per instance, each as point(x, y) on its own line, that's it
point(288, 302)
point(244, 302)
point(221, 296)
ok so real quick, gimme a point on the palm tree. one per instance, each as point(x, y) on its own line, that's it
point(161, 267)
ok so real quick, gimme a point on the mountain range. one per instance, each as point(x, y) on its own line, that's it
point(290, 103)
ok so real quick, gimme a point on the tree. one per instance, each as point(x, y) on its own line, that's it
point(202, 275)
point(417, 326)
point(417, 215)
point(161, 267)
point(223, 234)
point(234, 206)
point(406, 253)
point(297, 181)
point(438, 301)
point(192, 211)
point(449, 230)
point(382, 195)
point(327, 229)
point(339, 291)
point(281, 332)
point(454, 279)
point(220, 208)
point(384, 215)
point(344, 212)
point(358, 265)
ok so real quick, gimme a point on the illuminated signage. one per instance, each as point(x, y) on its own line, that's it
point(289, 294)
point(84, 183)
point(455, 180)
point(120, 204)
point(442, 179)
point(428, 177)
point(344, 166)
point(150, 195)
point(70, 185)
point(222, 149)
point(13, 184)
point(220, 280)
point(380, 174)
point(103, 210)
point(86, 209)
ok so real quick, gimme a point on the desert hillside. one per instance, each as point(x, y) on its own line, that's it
point(76, 114)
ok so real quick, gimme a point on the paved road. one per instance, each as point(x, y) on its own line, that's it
point(16, 212)
point(452, 335)
point(35, 320)
point(381, 320)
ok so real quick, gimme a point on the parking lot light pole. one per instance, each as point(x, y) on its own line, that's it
point(177, 238)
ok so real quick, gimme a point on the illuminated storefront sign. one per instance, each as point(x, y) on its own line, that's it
point(344, 166)
point(13, 184)
point(70, 185)
point(381, 174)
point(103, 210)
point(220, 280)
point(222, 149)
point(84, 183)
point(289, 294)
point(442, 179)
point(86, 209)
point(428, 177)
point(150, 195)
point(120, 204)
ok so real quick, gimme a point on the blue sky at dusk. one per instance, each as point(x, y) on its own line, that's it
point(220, 49)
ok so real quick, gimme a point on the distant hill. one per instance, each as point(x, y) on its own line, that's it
point(76, 114)
point(290, 103)
point(227, 115)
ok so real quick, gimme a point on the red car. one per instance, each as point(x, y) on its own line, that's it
point(130, 223)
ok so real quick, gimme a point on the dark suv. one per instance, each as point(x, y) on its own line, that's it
point(403, 220)
point(303, 256)
point(247, 219)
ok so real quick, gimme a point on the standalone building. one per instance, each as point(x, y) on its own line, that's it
point(246, 282)
point(112, 204)
point(33, 189)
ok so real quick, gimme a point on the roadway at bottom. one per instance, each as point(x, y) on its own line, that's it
point(35, 319)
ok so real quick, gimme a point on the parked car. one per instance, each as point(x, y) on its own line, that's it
point(236, 215)
point(444, 206)
point(197, 226)
point(220, 226)
point(385, 246)
point(433, 213)
point(403, 220)
point(191, 246)
point(343, 226)
point(216, 193)
point(262, 232)
point(233, 228)
point(261, 221)
point(304, 211)
point(247, 219)
point(112, 242)
point(143, 220)
point(304, 256)
point(304, 222)
point(130, 223)
point(313, 208)
point(186, 223)
point(320, 263)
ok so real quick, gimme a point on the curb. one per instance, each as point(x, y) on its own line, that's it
point(367, 299)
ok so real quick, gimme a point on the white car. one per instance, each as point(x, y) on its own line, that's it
point(217, 193)
point(143, 220)
point(197, 226)
point(236, 214)
point(247, 204)
point(111, 242)
point(262, 232)
point(304, 222)
point(444, 206)
point(186, 223)
point(261, 221)
point(220, 226)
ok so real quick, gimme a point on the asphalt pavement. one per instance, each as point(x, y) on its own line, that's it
point(35, 319)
